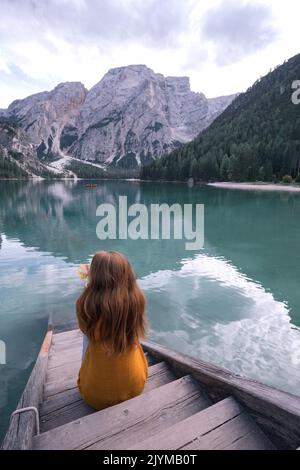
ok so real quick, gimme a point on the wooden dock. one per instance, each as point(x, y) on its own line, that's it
point(186, 404)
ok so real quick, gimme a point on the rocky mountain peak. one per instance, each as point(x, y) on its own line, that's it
point(44, 115)
point(179, 84)
point(130, 117)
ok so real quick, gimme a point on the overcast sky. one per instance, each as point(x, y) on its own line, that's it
point(222, 45)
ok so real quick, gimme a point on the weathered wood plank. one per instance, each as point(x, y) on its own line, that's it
point(70, 352)
point(58, 359)
point(120, 426)
point(277, 412)
point(158, 375)
point(67, 336)
point(66, 346)
point(238, 433)
point(22, 426)
point(224, 425)
point(67, 406)
point(196, 425)
point(59, 383)
point(63, 372)
point(64, 384)
point(66, 365)
point(74, 409)
point(53, 388)
point(250, 441)
point(151, 360)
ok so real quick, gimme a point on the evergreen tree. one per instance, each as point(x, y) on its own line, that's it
point(224, 168)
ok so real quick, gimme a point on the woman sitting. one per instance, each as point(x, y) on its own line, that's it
point(111, 314)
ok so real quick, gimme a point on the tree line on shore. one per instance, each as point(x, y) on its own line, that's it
point(256, 138)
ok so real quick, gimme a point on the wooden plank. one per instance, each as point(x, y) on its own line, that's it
point(59, 338)
point(275, 411)
point(63, 384)
point(53, 388)
point(159, 374)
point(65, 347)
point(67, 406)
point(151, 360)
point(61, 413)
point(58, 359)
point(196, 425)
point(120, 426)
point(68, 352)
point(63, 372)
point(23, 426)
point(62, 352)
point(251, 441)
point(66, 365)
point(224, 425)
point(239, 433)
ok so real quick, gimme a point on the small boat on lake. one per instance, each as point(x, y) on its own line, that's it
point(91, 186)
point(187, 404)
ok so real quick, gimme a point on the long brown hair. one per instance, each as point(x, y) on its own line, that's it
point(111, 309)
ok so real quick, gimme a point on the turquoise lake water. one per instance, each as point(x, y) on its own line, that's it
point(235, 303)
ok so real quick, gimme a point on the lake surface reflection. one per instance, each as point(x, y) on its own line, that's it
point(235, 303)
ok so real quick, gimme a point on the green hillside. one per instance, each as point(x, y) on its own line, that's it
point(256, 138)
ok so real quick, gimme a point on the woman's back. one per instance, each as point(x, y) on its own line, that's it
point(105, 380)
point(111, 313)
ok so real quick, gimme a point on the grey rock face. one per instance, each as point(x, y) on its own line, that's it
point(217, 105)
point(18, 150)
point(44, 115)
point(130, 117)
point(134, 115)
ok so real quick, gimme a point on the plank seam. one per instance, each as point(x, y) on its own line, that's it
point(120, 431)
point(211, 430)
point(70, 405)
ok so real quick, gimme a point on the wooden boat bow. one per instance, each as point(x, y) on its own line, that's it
point(186, 404)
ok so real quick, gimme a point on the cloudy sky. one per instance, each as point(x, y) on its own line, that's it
point(222, 45)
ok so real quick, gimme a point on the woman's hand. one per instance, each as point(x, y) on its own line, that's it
point(84, 270)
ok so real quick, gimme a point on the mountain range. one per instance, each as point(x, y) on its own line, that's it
point(129, 119)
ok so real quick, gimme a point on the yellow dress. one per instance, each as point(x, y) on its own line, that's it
point(106, 380)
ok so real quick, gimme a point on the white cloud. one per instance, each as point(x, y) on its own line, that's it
point(238, 29)
point(44, 43)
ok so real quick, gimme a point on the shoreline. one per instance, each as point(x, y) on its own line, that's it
point(257, 186)
point(222, 184)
